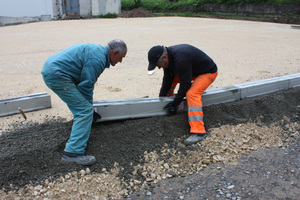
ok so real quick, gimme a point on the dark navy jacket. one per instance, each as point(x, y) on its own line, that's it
point(187, 62)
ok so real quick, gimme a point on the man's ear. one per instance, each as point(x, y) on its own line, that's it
point(116, 52)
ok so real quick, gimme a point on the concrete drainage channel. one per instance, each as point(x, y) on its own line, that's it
point(148, 107)
point(31, 102)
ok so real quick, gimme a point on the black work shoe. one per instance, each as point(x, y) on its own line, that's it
point(194, 138)
point(78, 158)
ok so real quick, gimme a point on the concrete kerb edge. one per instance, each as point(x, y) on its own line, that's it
point(147, 107)
point(31, 102)
point(250, 89)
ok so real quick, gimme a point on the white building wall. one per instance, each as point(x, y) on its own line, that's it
point(57, 9)
point(113, 6)
point(96, 7)
point(103, 7)
point(85, 8)
point(26, 8)
point(16, 11)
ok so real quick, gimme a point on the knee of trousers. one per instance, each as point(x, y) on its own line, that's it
point(191, 95)
point(88, 110)
point(91, 108)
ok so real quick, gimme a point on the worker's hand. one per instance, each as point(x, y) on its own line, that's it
point(96, 116)
point(171, 109)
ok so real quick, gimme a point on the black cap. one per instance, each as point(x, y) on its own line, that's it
point(153, 55)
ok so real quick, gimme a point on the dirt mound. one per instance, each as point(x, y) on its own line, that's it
point(137, 12)
point(136, 154)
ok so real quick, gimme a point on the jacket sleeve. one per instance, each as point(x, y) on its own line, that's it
point(184, 72)
point(88, 79)
point(167, 83)
point(94, 65)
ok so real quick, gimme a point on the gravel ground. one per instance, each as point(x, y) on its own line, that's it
point(265, 174)
point(252, 152)
point(253, 144)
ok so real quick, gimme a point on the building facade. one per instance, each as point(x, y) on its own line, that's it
point(20, 11)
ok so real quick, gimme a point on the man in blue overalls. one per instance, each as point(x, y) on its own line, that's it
point(71, 74)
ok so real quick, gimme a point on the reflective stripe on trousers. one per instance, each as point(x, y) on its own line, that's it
point(194, 101)
point(193, 96)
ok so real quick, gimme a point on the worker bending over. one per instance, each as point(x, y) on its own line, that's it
point(195, 71)
point(72, 74)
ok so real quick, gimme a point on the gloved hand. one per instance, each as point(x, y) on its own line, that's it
point(96, 116)
point(171, 109)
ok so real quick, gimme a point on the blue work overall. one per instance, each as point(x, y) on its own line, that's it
point(71, 74)
point(81, 109)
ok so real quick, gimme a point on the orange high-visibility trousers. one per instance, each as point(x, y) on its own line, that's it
point(193, 96)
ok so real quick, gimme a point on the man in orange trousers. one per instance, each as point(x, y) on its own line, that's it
point(195, 71)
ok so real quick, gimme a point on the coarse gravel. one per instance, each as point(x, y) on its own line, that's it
point(252, 152)
point(264, 174)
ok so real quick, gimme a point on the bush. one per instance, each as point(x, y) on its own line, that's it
point(109, 15)
point(186, 14)
point(170, 4)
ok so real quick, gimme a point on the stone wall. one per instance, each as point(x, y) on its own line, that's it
point(279, 13)
point(277, 9)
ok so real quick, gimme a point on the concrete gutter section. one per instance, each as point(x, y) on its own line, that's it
point(148, 107)
point(27, 103)
point(250, 89)
point(5, 21)
point(131, 108)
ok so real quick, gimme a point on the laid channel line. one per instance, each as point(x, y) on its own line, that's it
point(152, 111)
